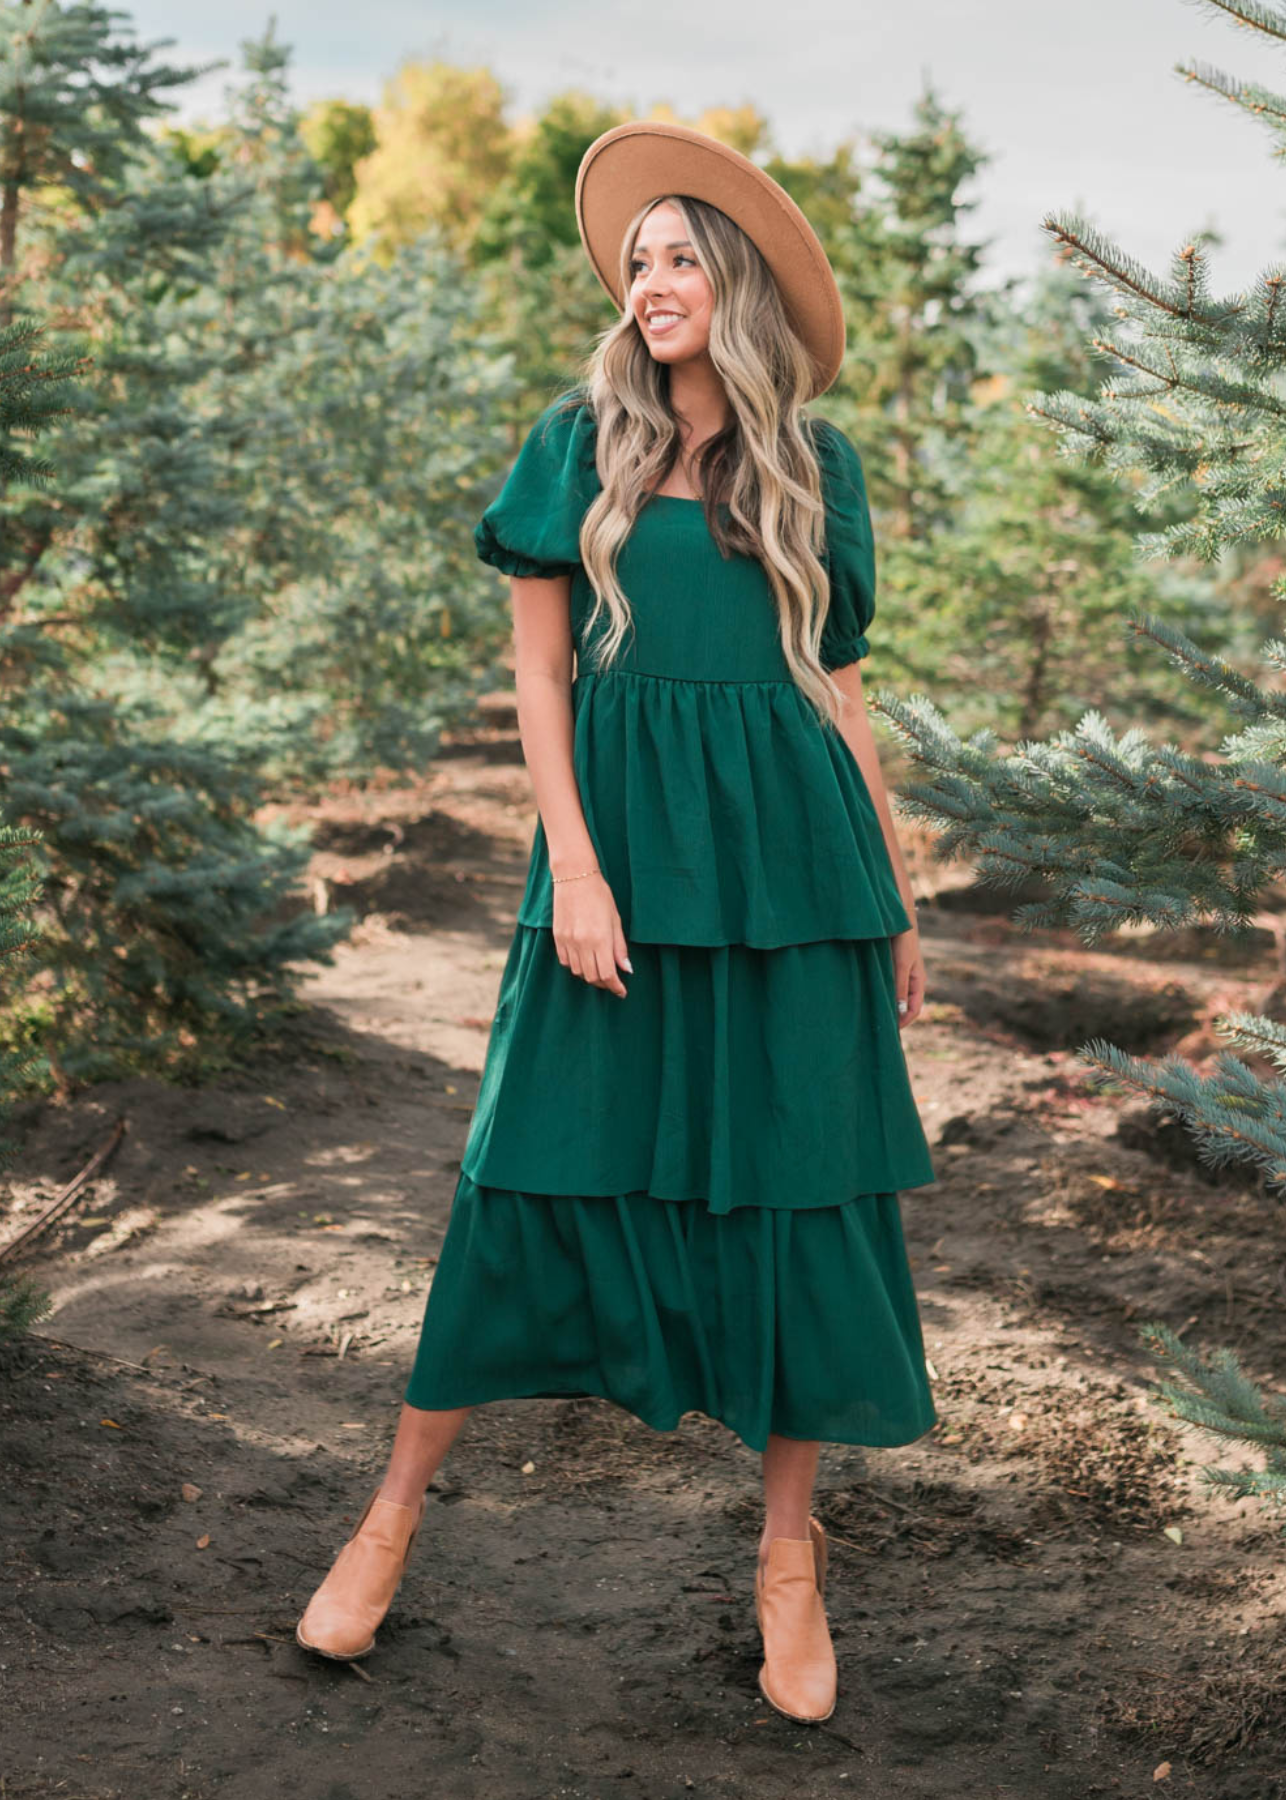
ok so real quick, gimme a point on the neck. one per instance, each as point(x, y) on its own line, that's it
point(698, 399)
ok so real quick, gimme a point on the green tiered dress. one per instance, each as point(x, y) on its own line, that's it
point(687, 1199)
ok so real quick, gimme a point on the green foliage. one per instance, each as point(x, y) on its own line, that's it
point(76, 96)
point(1119, 829)
point(1214, 1394)
point(527, 253)
point(528, 213)
point(1021, 592)
point(337, 135)
point(442, 146)
point(256, 573)
point(908, 276)
point(33, 393)
point(22, 1305)
point(19, 893)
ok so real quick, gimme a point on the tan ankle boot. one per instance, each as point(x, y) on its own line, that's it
point(341, 1617)
point(798, 1676)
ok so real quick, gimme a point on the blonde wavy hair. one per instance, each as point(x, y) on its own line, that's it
point(762, 464)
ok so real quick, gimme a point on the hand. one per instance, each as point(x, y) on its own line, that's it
point(587, 932)
point(908, 973)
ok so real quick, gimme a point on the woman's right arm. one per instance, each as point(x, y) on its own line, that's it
point(587, 926)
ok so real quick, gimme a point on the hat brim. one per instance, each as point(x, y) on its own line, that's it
point(645, 158)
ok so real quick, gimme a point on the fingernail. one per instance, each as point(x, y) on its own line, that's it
point(627, 964)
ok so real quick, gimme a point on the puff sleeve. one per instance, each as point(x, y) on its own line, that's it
point(532, 527)
point(850, 549)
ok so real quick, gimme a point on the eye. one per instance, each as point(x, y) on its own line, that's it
point(637, 262)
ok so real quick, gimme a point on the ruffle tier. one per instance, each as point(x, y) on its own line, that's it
point(738, 1076)
point(770, 1321)
point(722, 812)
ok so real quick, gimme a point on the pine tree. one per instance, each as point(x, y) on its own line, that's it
point(1018, 596)
point(22, 1302)
point(257, 570)
point(1122, 830)
point(165, 906)
point(527, 251)
point(33, 393)
point(908, 272)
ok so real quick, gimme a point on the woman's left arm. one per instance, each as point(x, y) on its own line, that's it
point(855, 728)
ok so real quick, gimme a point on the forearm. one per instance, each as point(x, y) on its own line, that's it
point(855, 728)
point(546, 727)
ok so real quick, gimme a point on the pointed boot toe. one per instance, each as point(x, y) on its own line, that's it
point(341, 1619)
point(798, 1676)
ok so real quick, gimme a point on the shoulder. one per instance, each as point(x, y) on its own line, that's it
point(532, 526)
point(558, 458)
point(838, 460)
point(566, 423)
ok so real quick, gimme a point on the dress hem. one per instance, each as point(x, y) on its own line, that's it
point(472, 1166)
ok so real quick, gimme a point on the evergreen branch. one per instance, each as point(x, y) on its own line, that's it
point(1231, 1115)
point(1248, 1484)
point(22, 1305)
point(1247, 13)
point(1213, 671)
point(1214, 1395)
point(1198, 378)
point(1251, 1031)
point(1248, 95)
point(1098, 256)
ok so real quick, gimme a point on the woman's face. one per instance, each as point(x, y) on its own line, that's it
point(670, 294)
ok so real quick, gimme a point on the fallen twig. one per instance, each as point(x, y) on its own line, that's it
point(87, 1350)
point(62, 1203)
point(862, 1487)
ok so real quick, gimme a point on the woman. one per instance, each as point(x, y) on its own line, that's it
point(680, 1186)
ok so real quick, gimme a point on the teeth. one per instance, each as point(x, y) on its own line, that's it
point(659, 317)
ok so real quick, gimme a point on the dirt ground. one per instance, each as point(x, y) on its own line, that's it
point(1038, 1598)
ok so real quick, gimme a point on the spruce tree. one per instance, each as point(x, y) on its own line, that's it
point(1123, 830)
point(256, 572)
point(908, 273)
point(33, 393)
point(1017, 601)
point(166, 907)
point(22, 1302)
point(909, 277)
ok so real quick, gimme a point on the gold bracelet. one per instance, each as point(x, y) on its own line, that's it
point(579, 877)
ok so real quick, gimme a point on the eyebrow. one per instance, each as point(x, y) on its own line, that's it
point(676, 244)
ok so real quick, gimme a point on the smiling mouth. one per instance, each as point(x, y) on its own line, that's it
point(658, 322)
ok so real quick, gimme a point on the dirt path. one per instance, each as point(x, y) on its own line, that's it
point(1011, 1616)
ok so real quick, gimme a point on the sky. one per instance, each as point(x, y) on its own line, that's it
point(1078, 106)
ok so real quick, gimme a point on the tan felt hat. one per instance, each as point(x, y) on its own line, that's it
point(644, 159)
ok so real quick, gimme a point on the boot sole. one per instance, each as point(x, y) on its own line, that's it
point(332, 1655)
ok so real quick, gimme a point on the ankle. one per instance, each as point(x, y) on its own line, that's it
point(400, 1492)
point(783, 1525)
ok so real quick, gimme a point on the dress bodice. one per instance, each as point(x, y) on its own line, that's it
point(696, 615)
point(722, 807)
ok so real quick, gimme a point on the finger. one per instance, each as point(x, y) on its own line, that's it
point(605, 967)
